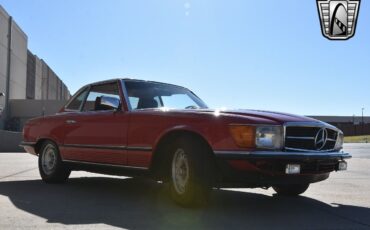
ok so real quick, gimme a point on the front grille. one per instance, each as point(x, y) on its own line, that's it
point(303, 138)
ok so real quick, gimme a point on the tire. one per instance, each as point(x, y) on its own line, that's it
point(51, 167)
point(290, 189)
point(190, 172)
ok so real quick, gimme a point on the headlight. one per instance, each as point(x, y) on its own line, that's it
point(269, 137)
point(244, 135)
point(265, 137)
point(339, 142)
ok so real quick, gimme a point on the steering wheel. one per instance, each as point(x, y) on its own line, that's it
point(191, 107)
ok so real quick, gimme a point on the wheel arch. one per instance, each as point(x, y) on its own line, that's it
point(40, 141)
point(164, 142)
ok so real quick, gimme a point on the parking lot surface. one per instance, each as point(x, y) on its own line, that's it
point(94, 201)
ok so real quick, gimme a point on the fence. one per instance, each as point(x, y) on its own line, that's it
point(354, 130)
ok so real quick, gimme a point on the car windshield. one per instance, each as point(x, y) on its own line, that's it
point(145, 95)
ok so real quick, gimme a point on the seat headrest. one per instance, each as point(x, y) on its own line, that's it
point(146, 103)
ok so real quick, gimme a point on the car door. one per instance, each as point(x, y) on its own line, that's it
point(97, 132)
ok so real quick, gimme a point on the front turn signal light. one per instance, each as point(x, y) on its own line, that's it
point(243, 135)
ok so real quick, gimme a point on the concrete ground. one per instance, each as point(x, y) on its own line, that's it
point(93, 201)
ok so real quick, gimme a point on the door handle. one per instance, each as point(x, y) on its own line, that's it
point(71, 122)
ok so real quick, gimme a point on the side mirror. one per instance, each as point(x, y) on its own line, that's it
point(2, 94)
point(109, 103)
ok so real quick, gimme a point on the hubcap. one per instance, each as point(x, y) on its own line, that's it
point(49, 159)
point(180, 171)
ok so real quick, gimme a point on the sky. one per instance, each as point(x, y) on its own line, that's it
point(244, 54)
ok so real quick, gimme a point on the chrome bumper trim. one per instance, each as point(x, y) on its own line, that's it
point(275, 154)
point(25, 143)
point(108, 147)
point(105, 164)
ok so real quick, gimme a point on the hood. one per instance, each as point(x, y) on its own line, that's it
point(255, 115)
point(274, 116)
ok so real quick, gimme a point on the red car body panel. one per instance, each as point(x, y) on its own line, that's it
point(95, 129)
point(143, 128)
point(131, 137)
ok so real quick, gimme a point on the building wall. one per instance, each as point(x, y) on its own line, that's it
point(10, 141)
point(31, 76)
point(4, 17)
point(38, 78)
point(23, 110)
point(18, 66)
point(44, 80)
point(52, 87)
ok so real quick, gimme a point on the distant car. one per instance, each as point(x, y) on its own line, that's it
point(163, 131)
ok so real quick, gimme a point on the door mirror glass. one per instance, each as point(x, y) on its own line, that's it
point(108, 103)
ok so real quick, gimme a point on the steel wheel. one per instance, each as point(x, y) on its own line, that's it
point(180, 171)
point(49, 159)
point(51, 167)
point(190, 171)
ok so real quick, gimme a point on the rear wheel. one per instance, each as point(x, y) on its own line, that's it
point(51, 167)
point(191, 172)
point(290, 189)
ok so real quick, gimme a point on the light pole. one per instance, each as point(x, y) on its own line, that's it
point(362, 120)
point(1, 109)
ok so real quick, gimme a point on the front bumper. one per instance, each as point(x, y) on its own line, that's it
point(29, 147)
point(267, 168)
point(282, 155)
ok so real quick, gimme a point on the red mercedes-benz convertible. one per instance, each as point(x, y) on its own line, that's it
point(163, 131)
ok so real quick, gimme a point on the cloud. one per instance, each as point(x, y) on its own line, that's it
point(187, 7)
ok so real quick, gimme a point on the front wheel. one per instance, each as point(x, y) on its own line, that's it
point(191, 172)
point(51, 167)
point(290, 189)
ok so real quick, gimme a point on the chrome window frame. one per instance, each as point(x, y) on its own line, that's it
point(125, 94)
point(97, 84)
point(88, 87)
point(126, 97)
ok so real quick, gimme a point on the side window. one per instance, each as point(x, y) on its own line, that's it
point(178, 101)
point(138, 103)
point(103, 97)
point(158, 100)
point(134, 101)
point(76, 103)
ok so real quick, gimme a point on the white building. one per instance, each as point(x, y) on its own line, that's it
point(23, 76)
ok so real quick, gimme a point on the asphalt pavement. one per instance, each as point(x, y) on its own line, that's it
point(94, 201)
